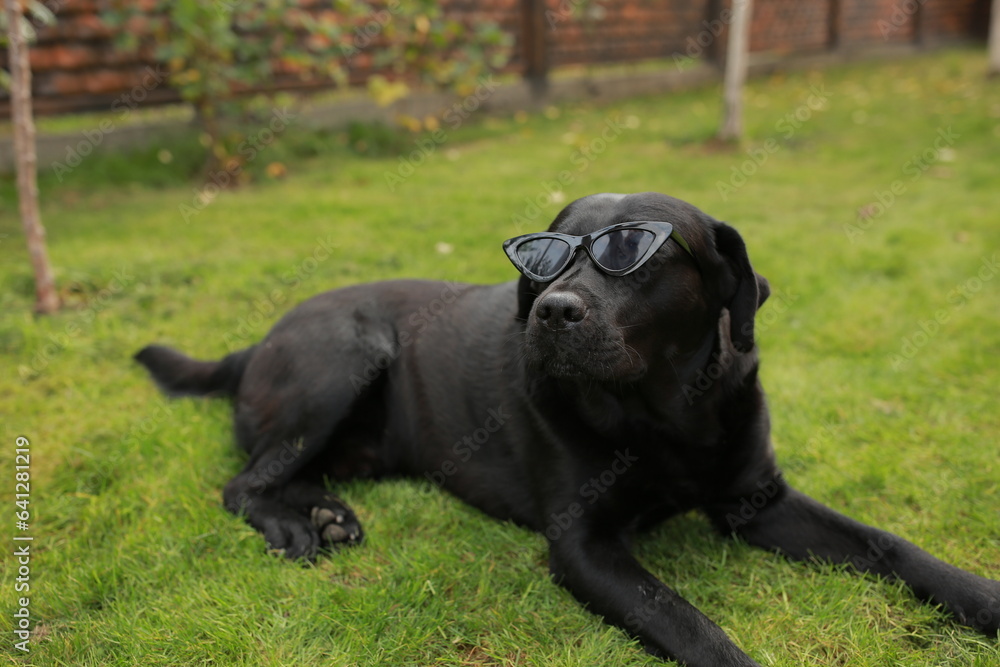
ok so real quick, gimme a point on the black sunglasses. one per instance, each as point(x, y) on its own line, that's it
point(616, 250)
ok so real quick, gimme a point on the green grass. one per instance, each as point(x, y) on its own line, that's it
point(136, 563)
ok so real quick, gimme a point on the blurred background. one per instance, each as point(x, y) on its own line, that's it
point(222, 58)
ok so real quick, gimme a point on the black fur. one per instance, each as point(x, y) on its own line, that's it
point(580, 427)
point(179, 375)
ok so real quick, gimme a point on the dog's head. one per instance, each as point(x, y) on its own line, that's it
point(588, 324)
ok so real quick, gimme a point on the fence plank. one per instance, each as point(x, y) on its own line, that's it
point(534, 41)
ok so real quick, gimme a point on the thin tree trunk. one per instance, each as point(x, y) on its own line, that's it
point(46, 297)
point(737, 53)
point(994, 66)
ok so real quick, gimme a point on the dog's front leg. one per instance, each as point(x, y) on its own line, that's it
point(602, 574)
point(802, 528)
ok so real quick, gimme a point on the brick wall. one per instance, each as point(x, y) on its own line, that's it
point(622, 30)
point(957, 19)
point(77, 67)
point(789, 26)
point(880, 21)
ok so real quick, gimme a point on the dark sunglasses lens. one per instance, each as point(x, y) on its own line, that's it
point(621, 249)
point(543, 257)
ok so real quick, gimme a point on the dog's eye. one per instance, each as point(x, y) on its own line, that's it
point(543, 257)
point(619, 250)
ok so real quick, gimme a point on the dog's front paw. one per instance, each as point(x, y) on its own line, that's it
point(336, 524)
point(980, 607)
point(290, 535)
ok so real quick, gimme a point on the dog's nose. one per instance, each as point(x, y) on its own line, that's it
point(560, 310)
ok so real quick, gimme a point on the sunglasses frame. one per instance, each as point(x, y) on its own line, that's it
point(661, 230)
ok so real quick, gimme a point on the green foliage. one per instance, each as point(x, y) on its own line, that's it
point(34, 13)
point(215, 50)
point(419, 38)
point(218, 52)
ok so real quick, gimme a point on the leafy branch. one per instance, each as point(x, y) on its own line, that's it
point(218, 53)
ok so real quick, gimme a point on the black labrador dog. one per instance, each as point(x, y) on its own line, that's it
point(613, 386)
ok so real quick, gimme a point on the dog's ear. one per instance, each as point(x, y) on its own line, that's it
point(751, 290)
point(527, 292)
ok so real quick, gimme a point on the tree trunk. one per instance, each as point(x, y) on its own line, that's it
point(534, 49)
point(46, 297)
point(737, 53)
point(994, 66)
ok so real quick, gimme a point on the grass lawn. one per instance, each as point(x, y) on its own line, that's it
point(868, 196)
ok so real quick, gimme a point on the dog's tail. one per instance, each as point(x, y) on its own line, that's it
point(177, 374)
